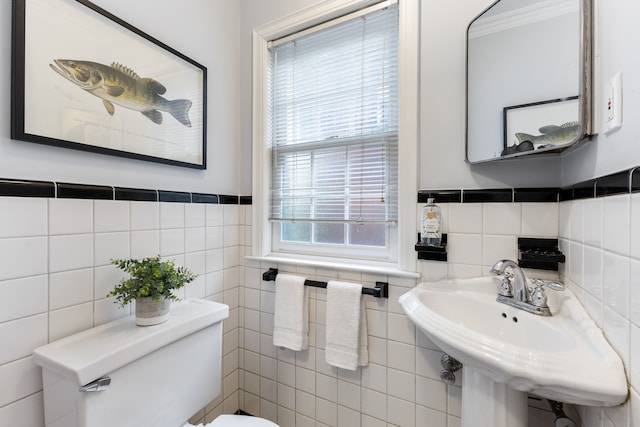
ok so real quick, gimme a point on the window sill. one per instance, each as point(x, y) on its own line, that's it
point(352, 266)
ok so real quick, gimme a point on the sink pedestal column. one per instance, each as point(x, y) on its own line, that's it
point(486, 403)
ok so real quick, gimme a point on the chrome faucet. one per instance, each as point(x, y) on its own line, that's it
point(514, 283)
point(515, 292)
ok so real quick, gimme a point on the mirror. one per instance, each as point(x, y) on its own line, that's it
point(528, 78)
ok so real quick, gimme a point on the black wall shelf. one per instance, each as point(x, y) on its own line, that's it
point(432, 253)
point(541, 254)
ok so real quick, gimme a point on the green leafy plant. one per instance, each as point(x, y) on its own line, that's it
point(149, 277)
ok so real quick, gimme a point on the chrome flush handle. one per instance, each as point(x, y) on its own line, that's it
point(98, 385)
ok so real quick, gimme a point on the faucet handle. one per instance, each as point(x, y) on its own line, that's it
point(506, 288)
point(538, 297)
point(556, 286)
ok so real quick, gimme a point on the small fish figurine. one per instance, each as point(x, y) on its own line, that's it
point(117, 84)
point(551, 135)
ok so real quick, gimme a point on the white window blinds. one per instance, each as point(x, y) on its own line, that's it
point(334, 122)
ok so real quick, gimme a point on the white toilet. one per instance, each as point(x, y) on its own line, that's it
point(120, 374)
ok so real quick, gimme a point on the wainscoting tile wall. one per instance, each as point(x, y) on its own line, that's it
point(401, 386)
point(479, 234)
point(55, 273)
point(600, 238)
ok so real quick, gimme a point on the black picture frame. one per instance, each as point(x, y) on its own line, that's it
point(69, 55)
point(550, 124)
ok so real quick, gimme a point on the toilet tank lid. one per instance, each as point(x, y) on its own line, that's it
point(93, 353)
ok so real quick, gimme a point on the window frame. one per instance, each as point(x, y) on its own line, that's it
point(404, 257)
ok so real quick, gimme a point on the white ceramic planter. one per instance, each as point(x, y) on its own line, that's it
point(150, 312)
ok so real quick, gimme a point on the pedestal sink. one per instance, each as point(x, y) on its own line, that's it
point(507, 352)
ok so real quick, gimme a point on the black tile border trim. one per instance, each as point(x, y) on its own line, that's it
point(52, 190)
point(441, 196)
point(225, 199)
point(82, 191)
point(174, 196)
point(502, 195)
point(584, 190)
point(136, 195)
point(635, 180)
point(623, 182)
point(21, 188)
point(204, 198)
point(565, 194)
point(617, 183)
point(539, 195)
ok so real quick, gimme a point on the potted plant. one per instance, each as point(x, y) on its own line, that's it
point(151, 283)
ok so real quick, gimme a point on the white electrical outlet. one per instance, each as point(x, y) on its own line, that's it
point(613, 104)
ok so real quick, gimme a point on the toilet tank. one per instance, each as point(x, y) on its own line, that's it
point(159, 375)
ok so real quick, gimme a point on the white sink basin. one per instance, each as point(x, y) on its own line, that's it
point(564, 357)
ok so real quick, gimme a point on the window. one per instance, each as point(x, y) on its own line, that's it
point(333, 137)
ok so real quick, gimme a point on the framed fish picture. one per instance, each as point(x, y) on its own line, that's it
point(84, 79)
point(541, 126)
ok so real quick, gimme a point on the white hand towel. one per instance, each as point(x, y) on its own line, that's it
point(291, 317)
point(363, 340)
point(346, 339)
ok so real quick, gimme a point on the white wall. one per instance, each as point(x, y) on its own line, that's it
point(618, 37)
point(442, 105)
point(254, 14)
point(442, 80)
point(443, 92)
point(442, 95)
point(442, 109)
point(204, 30)
point(229, 25)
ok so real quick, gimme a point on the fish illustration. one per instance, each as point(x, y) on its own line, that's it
point(117, 84)
point(551, 135)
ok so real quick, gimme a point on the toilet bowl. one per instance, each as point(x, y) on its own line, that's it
point(120, 374)
point(236, 421)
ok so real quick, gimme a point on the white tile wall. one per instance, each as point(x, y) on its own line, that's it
point(111, 216)
point(70, 252)
point(23, 257)
point(31, 290)
point(540, 219)
point(22, 217)
point(305, 390)
point(70, 216)
point(401, 385)
point(479, 234)
point(56, 273)
point(144, 215)
point(57, 253)
point(145, 243)
point(603, 266)
point(20, 336)
point(72, 287)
